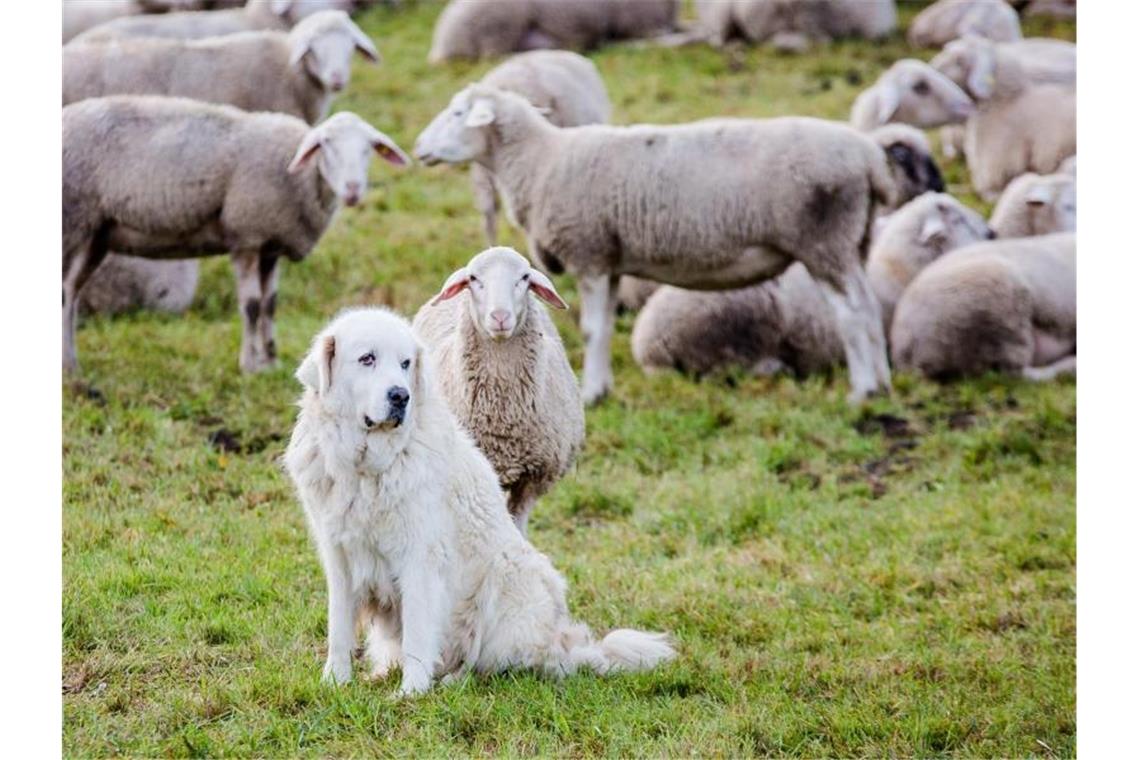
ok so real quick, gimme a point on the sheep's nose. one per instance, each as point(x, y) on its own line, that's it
point(336, 84)
point(500, 317)
point(398, 395)
point(351, 193)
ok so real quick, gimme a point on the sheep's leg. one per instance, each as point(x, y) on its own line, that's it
point(599, 309)
point(247, 270)
point(486, 201)
point(861, 330)
point(78, 267)
point(269, 270)
point(520, 501)
point(1066, 365)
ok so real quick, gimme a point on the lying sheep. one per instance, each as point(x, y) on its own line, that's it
point(127, 283)
point(948, 20)
point(81, 15)
point(257, 15)
point(504, 373)
point(486, 28)
point(1020, 125)
point(714, 204)
point(911, 92)
point(1007, 305)
point(295, 73)
point(794, 24)
point(785, 324)
point(564, 85)
point(171, 177)
point(1036, 205)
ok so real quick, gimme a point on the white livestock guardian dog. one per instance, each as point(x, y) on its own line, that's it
point(413, 530)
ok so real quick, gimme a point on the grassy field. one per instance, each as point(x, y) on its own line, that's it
point(898, 580)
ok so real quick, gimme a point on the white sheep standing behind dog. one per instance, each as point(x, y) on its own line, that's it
point(948, 20)
point(911, 92)
point(257, 15)
point(1026, 112)
point(505, 375)
point(171, 177)
point(1006, 305)
point(794, 24)
point(785, 324)
point(565, 86)
point(714, 204)
point(295, 73)
point(1036, 205)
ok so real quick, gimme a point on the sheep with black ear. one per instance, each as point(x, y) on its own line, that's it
point(565, 86)
point(793, 25)
point(174, 178)
point(1021, 123)
point(785, 325)
point(128, 283)
point(257, 15)
point(911, 92)
point(504, 373)
point(295, 73)
point(948, 20)
point(1036, 205)
point(1005, 305)
point(713, 204)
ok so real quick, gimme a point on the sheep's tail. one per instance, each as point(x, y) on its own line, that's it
point(622, 650)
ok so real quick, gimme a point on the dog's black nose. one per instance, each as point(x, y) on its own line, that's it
point(397, 395)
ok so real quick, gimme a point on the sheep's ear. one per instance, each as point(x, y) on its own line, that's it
point(315, 371)
point(387, 148)
point(1039, 195)
point(308, 148)
point(455, 284)
point(481, 114)
point(301, 46)
point(542, 287)
point(887, 102)
point(280, 7)
point(932, 228)
point(981, 79)
point(364, 44)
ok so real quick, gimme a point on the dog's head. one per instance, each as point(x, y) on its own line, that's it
point(366, 368)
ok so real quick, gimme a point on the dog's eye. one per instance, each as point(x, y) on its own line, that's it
point(405, 364)
point(368, 359)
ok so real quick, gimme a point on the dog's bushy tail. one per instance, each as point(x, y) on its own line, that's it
point(622, 650)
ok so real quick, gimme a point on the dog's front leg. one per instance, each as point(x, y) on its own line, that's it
point(341, 620)
point(423, 612)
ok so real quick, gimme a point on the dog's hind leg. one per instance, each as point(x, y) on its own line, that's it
point(383, 639)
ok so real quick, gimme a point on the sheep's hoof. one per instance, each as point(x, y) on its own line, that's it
point(594, 397)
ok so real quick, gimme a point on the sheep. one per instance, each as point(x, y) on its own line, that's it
point(793, 25)
point(715, 204)
point(911, 92)
point(257, 15)
point(1036, 205)
point(1068, 166)
point(171, 177)
point(1019, 124)
point(81, 15)
point(504, 373)
point(948, 20)
point(295, 73)
point(127, 283)
point(911, 163)
point(484, 28)
point(565, 85)
point(1064, 9)
point(785, 324)
point(1006, 305)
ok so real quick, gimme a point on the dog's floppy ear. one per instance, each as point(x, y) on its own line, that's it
point(315, 371)
point(542, 287)
point(455, 284)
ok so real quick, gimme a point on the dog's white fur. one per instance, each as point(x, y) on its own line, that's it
point(413, 530)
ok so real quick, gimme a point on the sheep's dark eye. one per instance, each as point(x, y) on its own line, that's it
point(368, 359)
point(921, 88)
point(405, 364)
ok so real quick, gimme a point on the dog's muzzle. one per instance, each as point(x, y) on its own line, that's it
point(397, 408)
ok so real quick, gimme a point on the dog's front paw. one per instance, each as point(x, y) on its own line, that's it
point(413, 685)
point(337, 672)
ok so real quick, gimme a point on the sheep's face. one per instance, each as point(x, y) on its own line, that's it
point(1051, 205)
point(498, 282)
point(324, 43)
point(342, 147)
point(948, 224)
point(914, 93)
point(968, 62)
point(457, 134)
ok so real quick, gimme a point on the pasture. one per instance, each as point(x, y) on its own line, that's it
point(897, 580)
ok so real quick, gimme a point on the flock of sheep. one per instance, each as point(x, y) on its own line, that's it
point(788, 244)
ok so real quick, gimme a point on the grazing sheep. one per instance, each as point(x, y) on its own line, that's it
point(504, 373)
point(256, 16)
point(1020, 124)
point(1006, 305)
point(81, 15)
point(794, 24)
point(175, 178)
point(948, 20)
point(715, 204)
point(785, 324)
point(295, 73)
point(1036, 205)
point(911, 92)
point(1066, 9)
point(127, 283)
point(564, 85)
point(486, 28)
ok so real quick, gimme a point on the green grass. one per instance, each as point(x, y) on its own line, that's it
point(839, 582)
